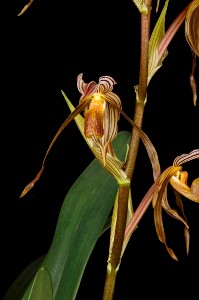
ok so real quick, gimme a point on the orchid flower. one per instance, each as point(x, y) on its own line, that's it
point(101, 117)
point(174, 177)
point(178, 180)
point(113, 165)
point(102, 110)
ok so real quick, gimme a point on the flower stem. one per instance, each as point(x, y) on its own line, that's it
point(115, 257)
point(123, 193)
point(142, 90)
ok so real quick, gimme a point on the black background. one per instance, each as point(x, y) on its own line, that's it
point(43, 51)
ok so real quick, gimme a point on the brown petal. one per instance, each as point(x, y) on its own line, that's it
point(86, 89)
point(192, 26)
point(160, 195)
point(186, 228)
point(73, 114)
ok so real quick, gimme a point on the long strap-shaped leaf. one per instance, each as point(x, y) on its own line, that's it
point(41, 288)
point(84, 212)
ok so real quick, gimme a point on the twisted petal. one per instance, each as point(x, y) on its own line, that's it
point(104, 86)
point(86, 89)
point(158, 197)
point(181, 159)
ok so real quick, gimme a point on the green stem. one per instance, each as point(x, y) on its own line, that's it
point(123, 193)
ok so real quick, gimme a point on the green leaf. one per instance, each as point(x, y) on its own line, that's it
point(17, 289)
point(41, 288)
point(82, 218)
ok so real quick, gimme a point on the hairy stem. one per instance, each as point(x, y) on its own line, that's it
point(115, 258)
point(142, 90)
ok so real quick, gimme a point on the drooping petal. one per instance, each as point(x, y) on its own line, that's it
point(139, 212)
point(158, 198)
point(193, 80)
point(186, 229)
point(76, 111)
point(172, 212)
point(152, 153)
